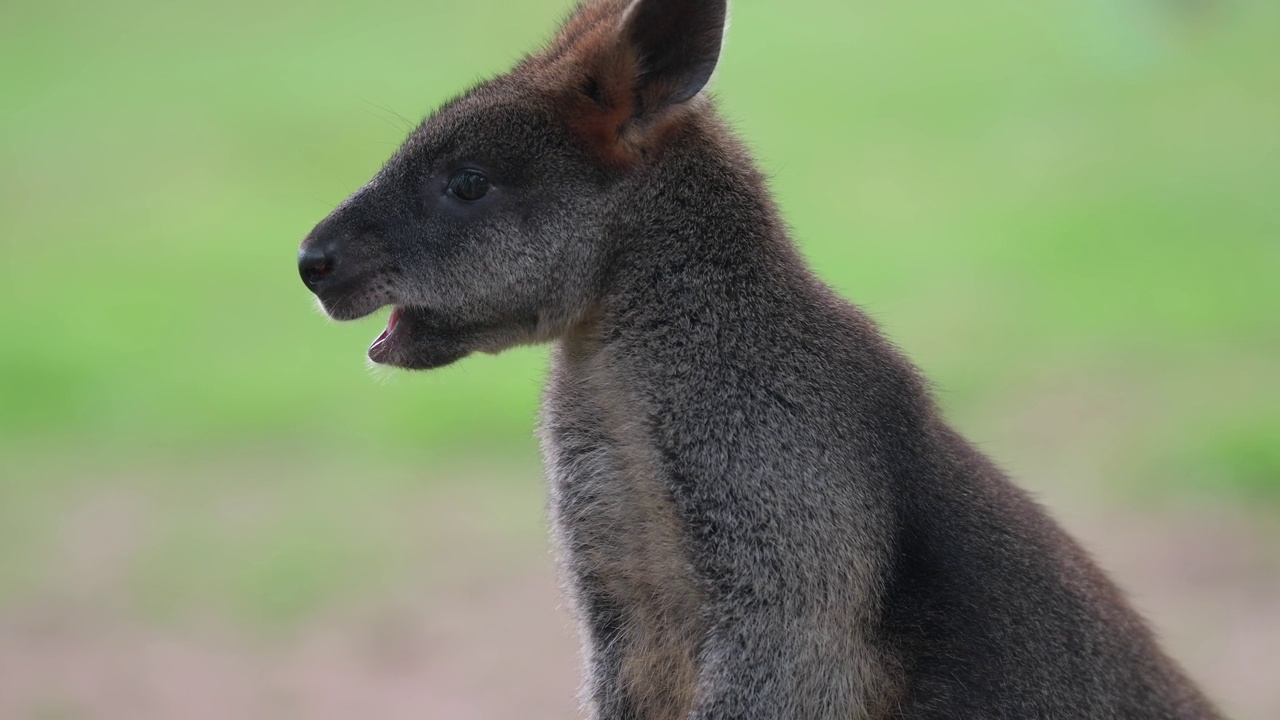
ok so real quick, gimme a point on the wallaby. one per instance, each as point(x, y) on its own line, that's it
point(758, 510)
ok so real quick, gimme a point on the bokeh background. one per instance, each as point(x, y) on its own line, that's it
point(1068, 213)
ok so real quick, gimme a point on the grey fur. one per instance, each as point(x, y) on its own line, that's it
point(758, 509)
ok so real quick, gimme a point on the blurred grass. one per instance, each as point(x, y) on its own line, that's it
point(1067, 213)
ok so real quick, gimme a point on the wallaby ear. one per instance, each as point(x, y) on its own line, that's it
point(675, 44)
point(626, 67)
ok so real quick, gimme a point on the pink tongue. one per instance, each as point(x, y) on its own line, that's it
point(391, 326)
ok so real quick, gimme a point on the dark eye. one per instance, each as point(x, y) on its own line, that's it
point(469, 185)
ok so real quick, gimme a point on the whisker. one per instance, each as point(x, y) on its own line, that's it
point(408, 126)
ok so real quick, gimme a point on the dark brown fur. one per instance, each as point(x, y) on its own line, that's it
point(759, 510)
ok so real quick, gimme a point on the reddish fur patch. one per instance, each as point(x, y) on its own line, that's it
point(593, 75)
point(600, 100)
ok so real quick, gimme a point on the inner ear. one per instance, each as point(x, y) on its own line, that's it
point(592, 89)
point(676, 45)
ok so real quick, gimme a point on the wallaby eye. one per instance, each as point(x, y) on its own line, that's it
point(468, 184)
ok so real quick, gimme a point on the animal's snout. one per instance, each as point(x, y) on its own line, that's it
point(315, 265)
point(342, 277)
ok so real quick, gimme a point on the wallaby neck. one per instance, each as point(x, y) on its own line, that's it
point(698, 236)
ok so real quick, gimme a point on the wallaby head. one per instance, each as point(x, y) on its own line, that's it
point(488, 228)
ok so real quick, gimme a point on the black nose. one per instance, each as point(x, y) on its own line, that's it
point(314, 265)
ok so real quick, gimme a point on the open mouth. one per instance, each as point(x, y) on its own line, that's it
point(380, 350)
point(415, 339)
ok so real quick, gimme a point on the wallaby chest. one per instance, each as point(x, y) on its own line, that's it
point(621, 542)
point(610, 502)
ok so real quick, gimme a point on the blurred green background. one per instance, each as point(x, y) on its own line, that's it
point(1067, 212)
